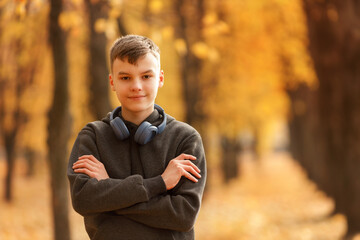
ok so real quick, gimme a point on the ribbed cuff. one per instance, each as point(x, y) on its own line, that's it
point(154, 186)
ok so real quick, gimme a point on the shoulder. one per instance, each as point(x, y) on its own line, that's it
point(179, 128)
point(96, 127)
point(92, 128)
point(174, 124)
point(184, 138)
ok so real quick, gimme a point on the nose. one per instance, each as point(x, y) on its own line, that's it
point(136, 85)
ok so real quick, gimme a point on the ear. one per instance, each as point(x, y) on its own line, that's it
point(111, 80)
point(161, 78)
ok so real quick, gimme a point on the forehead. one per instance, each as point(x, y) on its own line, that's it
point(144, 63)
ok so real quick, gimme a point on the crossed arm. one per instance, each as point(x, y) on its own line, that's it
point(134, 197)
point(177, 167)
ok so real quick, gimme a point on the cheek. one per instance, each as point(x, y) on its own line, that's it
point(120, 90)
point(153, 88)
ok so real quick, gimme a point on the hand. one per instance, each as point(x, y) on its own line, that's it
point(178, 167)
point(90, 166)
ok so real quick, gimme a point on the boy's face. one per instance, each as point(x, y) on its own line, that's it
point(136, 85)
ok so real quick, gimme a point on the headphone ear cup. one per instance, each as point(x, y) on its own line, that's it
point(119, 128)
point(145, 133)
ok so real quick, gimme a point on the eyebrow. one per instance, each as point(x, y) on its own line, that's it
point(148, 71)
point(125, 73)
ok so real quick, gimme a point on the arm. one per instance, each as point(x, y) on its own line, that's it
point(178, 167)
point(89, 195)
point(178, 209)
point(89, 165)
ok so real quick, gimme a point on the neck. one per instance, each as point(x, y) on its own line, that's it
point(136, 117)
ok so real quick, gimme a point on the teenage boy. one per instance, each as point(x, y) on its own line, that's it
point(138, 173)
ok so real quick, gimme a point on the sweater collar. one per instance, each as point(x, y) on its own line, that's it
point(154, 118)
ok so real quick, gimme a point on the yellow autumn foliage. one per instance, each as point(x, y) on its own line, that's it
point(252, 38)
point(243, 50)
point(180, 46)
point(200, 50)
point(246, 47)
point(156, 6)
point(70, 19)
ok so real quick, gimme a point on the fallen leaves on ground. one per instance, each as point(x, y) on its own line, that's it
point(272, 199)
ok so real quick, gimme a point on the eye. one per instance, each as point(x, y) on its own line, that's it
point(147, 76)
point(124, 78)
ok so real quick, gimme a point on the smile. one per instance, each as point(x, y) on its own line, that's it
point(136, 97)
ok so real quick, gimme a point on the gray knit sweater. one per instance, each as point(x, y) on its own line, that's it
point(133, 203)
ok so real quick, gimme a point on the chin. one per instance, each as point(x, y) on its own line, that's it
point(138, 107)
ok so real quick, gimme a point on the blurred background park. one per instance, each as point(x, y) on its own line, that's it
point(273, 87)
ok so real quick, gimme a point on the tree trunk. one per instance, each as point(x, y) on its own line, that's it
point(98, 71)
point(230, 152)
point(30, 156)
point(121, 26)
point(59, 126)
point(9, 140)
point(9, 133)
point(306, 140)
point(335, 49)
point(8, 137)
point(189, 27)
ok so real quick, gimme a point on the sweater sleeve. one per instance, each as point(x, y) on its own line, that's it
point(91, 196)
point(177, 210)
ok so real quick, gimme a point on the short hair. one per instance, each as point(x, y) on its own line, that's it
point(132, 47)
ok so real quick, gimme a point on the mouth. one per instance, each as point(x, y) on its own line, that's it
point(136, 97)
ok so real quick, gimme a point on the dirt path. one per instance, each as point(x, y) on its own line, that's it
point(272, 200)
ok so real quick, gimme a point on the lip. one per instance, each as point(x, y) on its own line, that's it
point(136, 97)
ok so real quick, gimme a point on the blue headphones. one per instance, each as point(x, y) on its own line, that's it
point(145, 132)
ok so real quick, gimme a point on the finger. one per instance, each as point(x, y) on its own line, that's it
point(192, 165)
point(84, 165)
point(185, 156)
point(192, 171)
point(90, 157)
point(84, 156)
point(189, 176)
point(88, 161)
point(85, 171)
point(84, 160)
